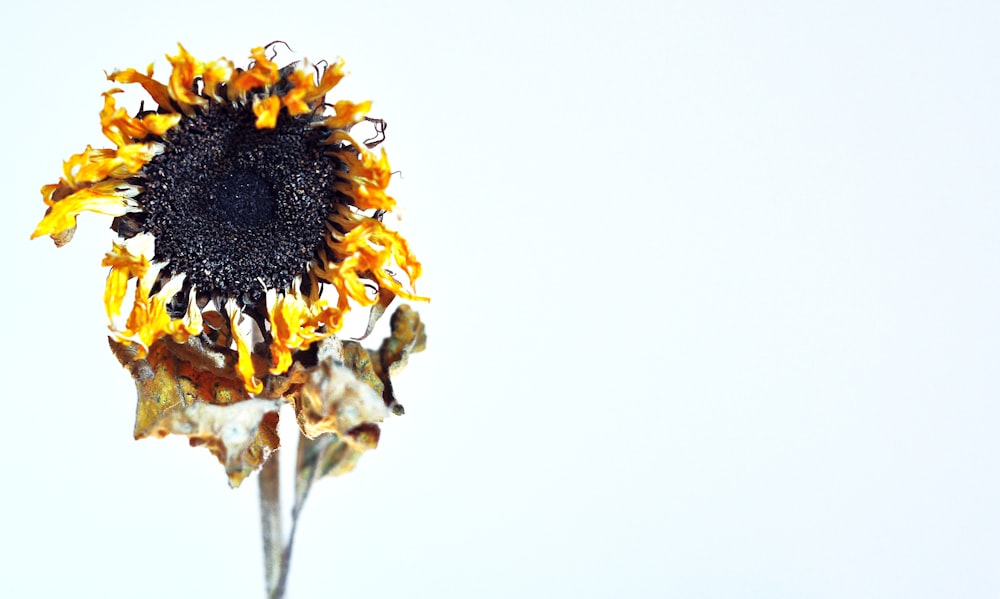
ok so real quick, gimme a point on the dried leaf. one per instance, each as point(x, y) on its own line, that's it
point(179, 383)
point(334, 400)
point(193, 389)
point(407, 337)
point(240, 435)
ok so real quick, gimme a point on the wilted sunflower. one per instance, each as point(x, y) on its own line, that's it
point(248, 219)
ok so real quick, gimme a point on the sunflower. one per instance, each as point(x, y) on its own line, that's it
point(248, 221)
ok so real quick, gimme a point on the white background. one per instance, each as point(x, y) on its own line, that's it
point(715, 296)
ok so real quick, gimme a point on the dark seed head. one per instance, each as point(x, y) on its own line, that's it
point(234, 206)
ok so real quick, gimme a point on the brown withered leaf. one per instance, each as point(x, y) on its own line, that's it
point(332, 455)
point(190, 389)
point(334, 400)
point(240, 435)
point(407, 337)
point(345, 397)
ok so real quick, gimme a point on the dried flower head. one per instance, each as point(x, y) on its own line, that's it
point(248, 220)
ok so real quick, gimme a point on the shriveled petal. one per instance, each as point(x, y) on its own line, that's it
point(190, 389)
point(123, 129)
point(334, 400)
point(262, 74)
point(297, 322)
point(347, 113)
point(266, 110)
point(182, 77)
point(76, 171)
point(128, 259)
point(305, 94)
point(216, 73)
point(102, 199)
point(149, 319)
point(156, 90)
point(245, 363)
point(367, 249)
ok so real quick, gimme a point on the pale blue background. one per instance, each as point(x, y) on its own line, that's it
point(715, 308)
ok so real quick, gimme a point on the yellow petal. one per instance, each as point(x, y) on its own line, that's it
point(302, 82)
point(347, 113)
point(158, 124)
point(186, 70)
point(128, 260)
point(262, 74)
point(244, 363)
point(116, 124)
point(216, 73)
point(61, 215)
point(305, 94)
point(266, 111)
point(72, 172)
point(331, 77)
point(297, 322)
point(154, 88)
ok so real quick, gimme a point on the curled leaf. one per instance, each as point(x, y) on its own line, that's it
point(334, 400)
point(191, 389)
point(378, 367)
point(240, 435)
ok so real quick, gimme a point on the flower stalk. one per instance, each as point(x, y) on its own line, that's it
point(276, 552)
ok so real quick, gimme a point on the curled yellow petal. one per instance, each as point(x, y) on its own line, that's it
point(137, 155)
point(158, 124)
point(128, 259)
point(116, 124)
point(297, 322)
point(266, 111)
point(369, 178)
point(347, 113)
point(294, 100)
point(72, 168)
point(330, 78)
point(244, 363)
point(305, 94)
point(365, 252)
point(262, 74)
point(149, 319)
point(182, 77)
point(154, 88)
point(215, 74)
point(122, 129)
point(102, 198)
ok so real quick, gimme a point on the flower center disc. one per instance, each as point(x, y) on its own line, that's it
point(241, 199)
point(239, 209)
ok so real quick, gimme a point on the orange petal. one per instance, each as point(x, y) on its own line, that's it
point(244, 363)
point(102, 199)
point(263, 73)
point(181, 86)
point(266, 111)
point(347, 113)
point(154, 88)
point(128, 259)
